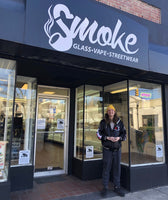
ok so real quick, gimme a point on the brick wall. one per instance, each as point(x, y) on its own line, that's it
point(136, 7)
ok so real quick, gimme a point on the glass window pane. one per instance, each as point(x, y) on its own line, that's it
point(7, 80)
point(51, 133)
point(93, 115)
point(79, 123)
point(24, 121)
point(146, 123)
point(116, 94)
point(45, 90)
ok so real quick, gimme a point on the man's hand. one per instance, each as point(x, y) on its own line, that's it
point(113, 139)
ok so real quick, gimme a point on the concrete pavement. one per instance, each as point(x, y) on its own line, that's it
point(65, 187)
point(159, 193)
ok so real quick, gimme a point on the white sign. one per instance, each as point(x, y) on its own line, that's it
point(2, 154)
point(86, 30)
point(159, 151)
point(60, 123)
point(41, 124)
point(89, 151)
point(24, 157)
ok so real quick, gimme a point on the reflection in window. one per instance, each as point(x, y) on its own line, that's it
point(145, 120)
point(147, 144)
point(7, 80)
point(24, 120)
point(45, 90)
point(51, 129)
point(88, 125)
point(87, 121)
point(116, 94)
point(79, 123)
point(93, 115)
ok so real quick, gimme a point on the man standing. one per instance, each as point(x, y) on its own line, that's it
point(111, 132)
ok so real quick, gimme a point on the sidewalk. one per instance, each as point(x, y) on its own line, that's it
point(159, 193)
point(71, 188)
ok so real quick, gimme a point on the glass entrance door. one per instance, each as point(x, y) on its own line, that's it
point(51, 135)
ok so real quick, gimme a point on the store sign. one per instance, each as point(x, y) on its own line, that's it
point(78, 28)
point(85, 29)
point(146, 95)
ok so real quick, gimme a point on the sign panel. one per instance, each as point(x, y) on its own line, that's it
point(41, 124)
point(146, 95)
point(60, 123)
point(159, 151)
point(24, 157)
point(89, 151)
point(77, 27)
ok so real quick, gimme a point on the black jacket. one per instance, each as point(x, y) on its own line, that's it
point(105, 131)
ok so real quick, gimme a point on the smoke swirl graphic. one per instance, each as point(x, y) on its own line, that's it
point(49, 24)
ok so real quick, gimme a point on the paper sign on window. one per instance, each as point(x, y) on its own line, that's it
point(24, 157)
point(89, 151)
point(159, 151)
point(41, 124)
point(60, 123)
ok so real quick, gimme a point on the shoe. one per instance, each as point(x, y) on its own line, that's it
point(104, 192)
point(119, 192)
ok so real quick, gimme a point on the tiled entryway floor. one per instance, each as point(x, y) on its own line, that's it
point(60, 187)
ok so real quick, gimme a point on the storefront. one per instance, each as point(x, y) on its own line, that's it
point(59, 69)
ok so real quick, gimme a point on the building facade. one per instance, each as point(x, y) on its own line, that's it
point(61, 63)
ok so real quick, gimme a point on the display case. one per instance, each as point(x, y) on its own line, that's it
point(89, 112)
point(24, 121)
point(22, 147)
point(87, 147)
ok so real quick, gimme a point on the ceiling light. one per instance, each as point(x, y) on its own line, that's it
point(122, 90)
point(49, 93)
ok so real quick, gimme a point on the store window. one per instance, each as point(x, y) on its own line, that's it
point(7, 81)
point(116, 94)
point(145, 120)
point(24, 121)
point(93, 115)
point(52, 91)
point(146, 129)
point(89, 112)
